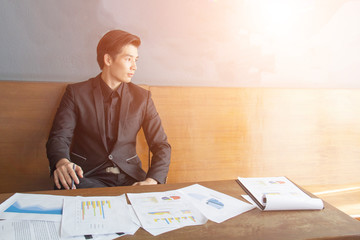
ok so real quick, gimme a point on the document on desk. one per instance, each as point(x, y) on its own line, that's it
point(32, 230)
point(96, 215)
point(216, 206)
point(49, 230)
point(32, 207)
point(160, 212)
point(278, 193)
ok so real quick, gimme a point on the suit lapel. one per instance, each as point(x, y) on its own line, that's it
point(99, 108)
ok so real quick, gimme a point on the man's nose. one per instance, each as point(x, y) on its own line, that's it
point(133, 66)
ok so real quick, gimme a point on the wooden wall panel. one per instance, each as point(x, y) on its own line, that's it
point(26, 113)
point(309, 135)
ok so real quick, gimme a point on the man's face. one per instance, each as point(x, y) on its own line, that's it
point(123, 67)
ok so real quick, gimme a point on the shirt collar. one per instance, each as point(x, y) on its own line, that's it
point(107, 91)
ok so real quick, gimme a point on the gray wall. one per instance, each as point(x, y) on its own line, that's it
point(249, 43)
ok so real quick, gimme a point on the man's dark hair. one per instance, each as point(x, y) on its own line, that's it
point(113, 42)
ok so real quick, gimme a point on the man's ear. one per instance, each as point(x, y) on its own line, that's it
point(107, 59)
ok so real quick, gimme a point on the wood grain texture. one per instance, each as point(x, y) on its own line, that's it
point(26, 113)
point(309, 135)
point(344, 196)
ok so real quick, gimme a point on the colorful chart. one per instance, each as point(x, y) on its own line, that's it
point(149, 200)
point(215, 203)
point(186, 211)
point(17, 208)
point(159, 213)
point(277, 182)
point(170, 220)
point(94, 209)
point(170, 198)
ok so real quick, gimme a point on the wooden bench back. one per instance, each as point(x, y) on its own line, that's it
point(310, 135)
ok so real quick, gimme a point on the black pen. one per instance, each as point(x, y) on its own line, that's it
point(72, 181)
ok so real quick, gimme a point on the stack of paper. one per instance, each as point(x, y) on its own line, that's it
point(161, 212)
point(278, 193)
point(38, 216)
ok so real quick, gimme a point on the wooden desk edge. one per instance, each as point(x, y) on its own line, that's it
point(229, 187)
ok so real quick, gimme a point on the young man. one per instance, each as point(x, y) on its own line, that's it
point(93, 139)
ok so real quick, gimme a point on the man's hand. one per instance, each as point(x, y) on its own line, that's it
point(65, 172)
point(148, 181)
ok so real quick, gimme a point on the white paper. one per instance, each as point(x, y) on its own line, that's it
point(116, 235)
point(35, 230)
point(279, 193)
point(32, 207)
point(96, 215)
point(158, 231)
point(161, 212)
point(249, 199)
point(31, 230)
point(288, 202)
point(216, 206)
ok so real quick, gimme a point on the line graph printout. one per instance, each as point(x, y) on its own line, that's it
point(23, 206)
point(95, 215)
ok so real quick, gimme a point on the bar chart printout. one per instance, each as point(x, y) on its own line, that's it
point(95, 215)
point(95, 210)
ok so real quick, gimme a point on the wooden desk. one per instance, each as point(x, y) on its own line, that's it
point(329, 223)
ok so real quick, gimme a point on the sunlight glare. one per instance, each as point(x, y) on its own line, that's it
point(278, 18)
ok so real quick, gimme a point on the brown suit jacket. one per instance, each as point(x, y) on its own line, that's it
point(78, 131)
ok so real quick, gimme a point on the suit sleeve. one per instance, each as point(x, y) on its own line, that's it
point(158, 144)
point(60, 137)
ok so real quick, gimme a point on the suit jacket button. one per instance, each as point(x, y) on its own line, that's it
point(111, 157)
